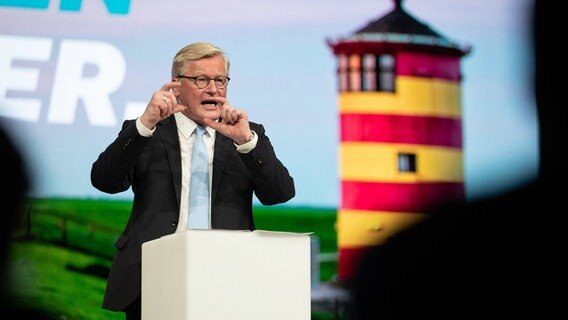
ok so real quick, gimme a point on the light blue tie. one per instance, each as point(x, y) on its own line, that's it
point(199, 184)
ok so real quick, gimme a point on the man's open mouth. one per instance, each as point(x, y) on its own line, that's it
point(209, 103)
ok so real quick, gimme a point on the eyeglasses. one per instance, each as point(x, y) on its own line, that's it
point(202, 81)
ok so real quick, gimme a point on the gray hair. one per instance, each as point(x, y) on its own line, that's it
point(196, 51)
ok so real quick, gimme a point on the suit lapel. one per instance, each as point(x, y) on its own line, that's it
point(167, 132)
point(223, 146)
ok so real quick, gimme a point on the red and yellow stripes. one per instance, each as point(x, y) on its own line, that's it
point(421, 118)
point(426, 65)
point(358, 228)
point(421, 130)
point(398, 197)
point(414, 96)
point(378, 162)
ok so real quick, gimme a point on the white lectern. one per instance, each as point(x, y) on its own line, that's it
point(224, 274)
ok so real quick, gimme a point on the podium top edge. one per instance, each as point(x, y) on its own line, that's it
point(284, 233)
point(227, 231)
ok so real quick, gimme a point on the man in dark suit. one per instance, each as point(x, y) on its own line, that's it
point(497, 257)
point(152, 156)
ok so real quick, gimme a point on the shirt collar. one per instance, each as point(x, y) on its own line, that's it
point(186, 126)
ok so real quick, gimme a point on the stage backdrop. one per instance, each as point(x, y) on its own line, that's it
point(71, 71)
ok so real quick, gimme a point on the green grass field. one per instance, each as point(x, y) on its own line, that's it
point(62, 252)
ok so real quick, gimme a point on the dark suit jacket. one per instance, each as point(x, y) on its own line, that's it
point(152, 167)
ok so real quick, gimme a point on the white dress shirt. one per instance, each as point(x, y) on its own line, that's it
point(186, 136)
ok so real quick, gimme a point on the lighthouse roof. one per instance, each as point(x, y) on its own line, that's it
point(399, 27)
point(399, 21)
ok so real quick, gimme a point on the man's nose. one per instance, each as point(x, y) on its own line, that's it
point(211, 87)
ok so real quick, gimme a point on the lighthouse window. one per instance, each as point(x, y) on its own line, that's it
point(385, 73)
point(367, 72)
point(369, 80)
point(406, 162)
point(343, 73)
point(355, 72)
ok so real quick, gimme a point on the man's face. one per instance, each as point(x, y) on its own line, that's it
point(202, 103)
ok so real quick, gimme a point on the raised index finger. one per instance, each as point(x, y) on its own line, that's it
point(169, 85)
point(223, 103)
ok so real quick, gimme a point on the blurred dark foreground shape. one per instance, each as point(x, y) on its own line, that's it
point(16, 183)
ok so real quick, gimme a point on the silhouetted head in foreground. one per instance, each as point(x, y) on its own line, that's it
point(497, 257)
point(16, 183)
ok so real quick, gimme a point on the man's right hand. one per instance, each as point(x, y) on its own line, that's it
point(162, 105)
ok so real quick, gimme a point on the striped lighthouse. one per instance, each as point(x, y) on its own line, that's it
point(401, 144)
